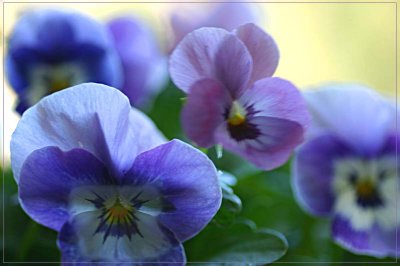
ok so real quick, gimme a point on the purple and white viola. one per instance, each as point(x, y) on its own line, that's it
point(232, 98)
point(347, 169)
point(101, 174)
point(51, 49)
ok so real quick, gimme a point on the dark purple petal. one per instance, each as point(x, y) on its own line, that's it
point(80, 117)
point(204, 111)
point(187, 179)
point(47, 178)
point(356, 113)
point(269, 146)
point(143, 64)
point(371, 242)
point(275, 97)
point(263, 50)
point(390, 145)
point(312, 173)
point(233, 65)
point(194, 57)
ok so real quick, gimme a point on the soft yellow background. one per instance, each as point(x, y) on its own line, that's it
point(319, 42)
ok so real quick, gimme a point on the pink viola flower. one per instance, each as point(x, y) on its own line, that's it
point(232, 98)
point(224, 15)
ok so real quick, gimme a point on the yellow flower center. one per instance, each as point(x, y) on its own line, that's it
point(365, 189)
point(237, 114)
point(119, 212)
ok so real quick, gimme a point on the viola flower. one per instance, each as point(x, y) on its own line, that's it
point(144, 65)
point(106, 180)
point(50, 49)
point(232, 99)
point(347, 170)
point(224, 15)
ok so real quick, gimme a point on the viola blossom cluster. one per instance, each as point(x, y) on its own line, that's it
point(107, 180)
point(232, 98)
point(347, 169)
point(51, 49)
point(226, 15)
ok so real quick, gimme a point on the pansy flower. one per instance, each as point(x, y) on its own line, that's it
point(347, 169)
point(101, 174)
point(143, 63)
point(232, 98)
point(221, 15)
point(50, 49)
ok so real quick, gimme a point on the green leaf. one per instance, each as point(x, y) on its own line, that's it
point(239, 243)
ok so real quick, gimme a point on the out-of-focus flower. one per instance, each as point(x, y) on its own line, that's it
point(144, 65)
point(52, 49)
point(347, 170)
point(232, 100)
point(228, 16)
point(107, 181)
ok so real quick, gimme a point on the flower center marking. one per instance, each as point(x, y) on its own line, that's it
point(367, 194)
point(117, 216)
point(237, 115)
point(238, 124)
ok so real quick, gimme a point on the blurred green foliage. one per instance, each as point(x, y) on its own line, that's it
point(253, 211)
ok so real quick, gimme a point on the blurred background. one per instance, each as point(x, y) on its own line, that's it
point(319, 43)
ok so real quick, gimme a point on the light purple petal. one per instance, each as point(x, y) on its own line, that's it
point(263, 50)
point(143, 64)
point(312, 173)
point(233, 65)
point(146, 133)
point(275, 97)
point(187, 179)
point(80, 117)
point(370, 242)
point(194, 57)
point(269, 150)
point(204, 111)
point(385, 240)
point(231, 15)
point(354, 112)
point(223, 15)
point(47, 178)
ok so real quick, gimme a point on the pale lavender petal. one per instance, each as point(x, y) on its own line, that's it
point(275, 97)
point(368, 242)
point(263, 50)
point(231, 15)
point(145, 131)
point(80, 117)
point(47, 178)
point(223, 15)
point(312, 173)
point(271, 148)
point(354, 112)
point(187, 179)
point(233, 65)
point(388, 240)
point(204, 111)
point(194, 57)
point(144, 65)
